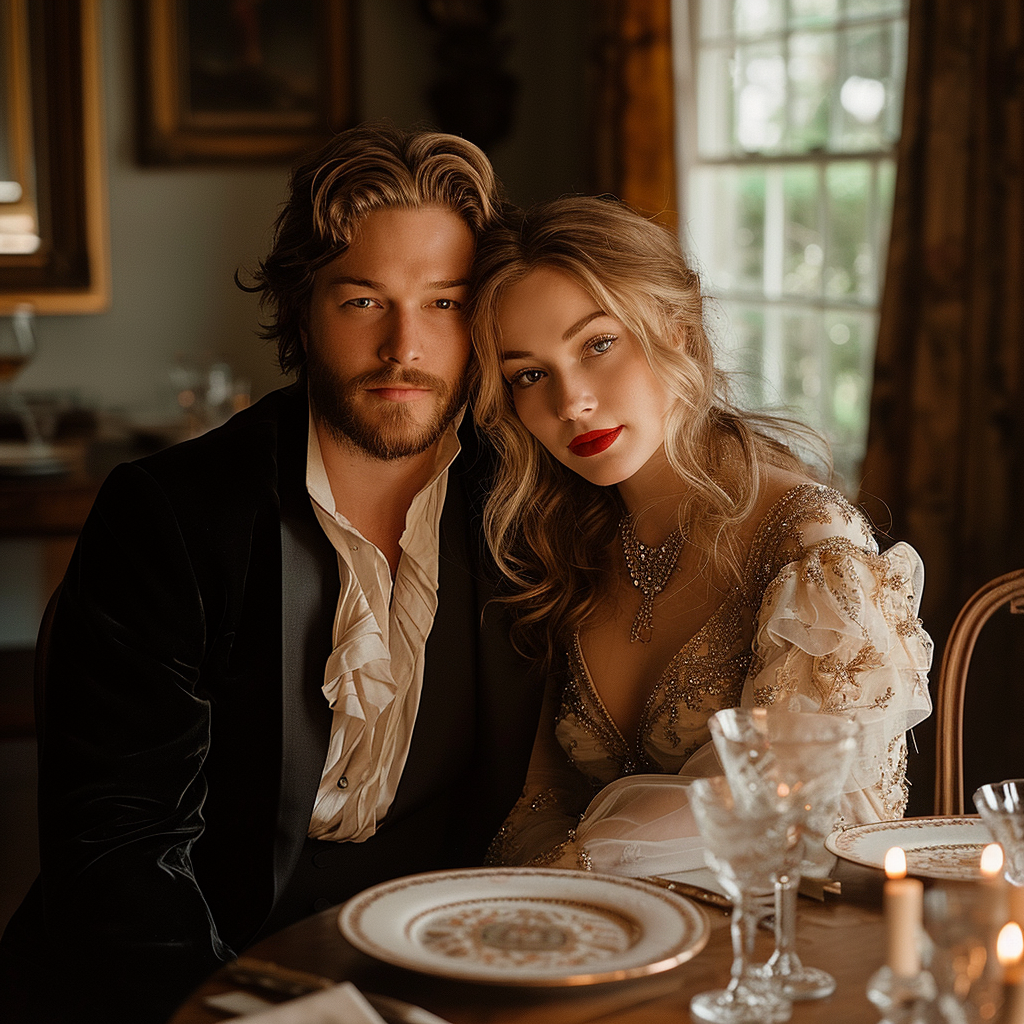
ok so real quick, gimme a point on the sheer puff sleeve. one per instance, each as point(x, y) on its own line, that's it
point(838, 632)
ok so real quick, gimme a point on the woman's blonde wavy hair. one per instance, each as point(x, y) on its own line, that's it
point(550, 530)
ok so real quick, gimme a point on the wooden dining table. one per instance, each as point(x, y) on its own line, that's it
point(845, 934)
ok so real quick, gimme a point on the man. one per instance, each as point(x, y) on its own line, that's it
point(273, 677)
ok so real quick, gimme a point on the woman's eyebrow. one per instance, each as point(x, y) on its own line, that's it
point(581, 323)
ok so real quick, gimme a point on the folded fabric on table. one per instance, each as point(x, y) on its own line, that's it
point(342, 1004)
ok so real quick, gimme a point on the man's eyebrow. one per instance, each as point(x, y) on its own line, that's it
point(365, 282)
point(461, 282)
point(581, 323)
point(359, 282)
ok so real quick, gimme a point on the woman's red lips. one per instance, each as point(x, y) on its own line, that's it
point(593, 442)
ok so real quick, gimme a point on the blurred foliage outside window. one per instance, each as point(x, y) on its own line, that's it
point(789, 196)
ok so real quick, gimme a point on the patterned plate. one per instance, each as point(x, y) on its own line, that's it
point(525, 926)
point(935, 847)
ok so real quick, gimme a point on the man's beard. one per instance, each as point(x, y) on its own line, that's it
point(390, 432)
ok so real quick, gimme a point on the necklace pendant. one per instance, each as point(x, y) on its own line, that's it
point(649, 576)
point(641, 633)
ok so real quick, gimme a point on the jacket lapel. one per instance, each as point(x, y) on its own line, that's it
point(309, 595)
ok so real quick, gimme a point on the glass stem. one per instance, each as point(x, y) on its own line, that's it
point(785, 960)
point(743, 928)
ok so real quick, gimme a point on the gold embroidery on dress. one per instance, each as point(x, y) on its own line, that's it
point(709, 671)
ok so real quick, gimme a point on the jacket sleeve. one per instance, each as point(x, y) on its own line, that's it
point(124, 734)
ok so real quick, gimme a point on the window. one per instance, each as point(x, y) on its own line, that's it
point(790, 168)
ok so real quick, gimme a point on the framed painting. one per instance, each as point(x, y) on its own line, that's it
point(54, 230)
point(231, 80)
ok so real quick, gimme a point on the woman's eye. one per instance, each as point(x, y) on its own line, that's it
point(524, 378)
point(602, 345)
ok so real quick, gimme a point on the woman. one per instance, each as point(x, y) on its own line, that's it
point(668, 555)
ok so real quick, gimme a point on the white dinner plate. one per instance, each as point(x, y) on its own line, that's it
point(525, 926)
point(948, 848)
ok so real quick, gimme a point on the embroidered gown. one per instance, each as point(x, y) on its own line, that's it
point(820, 622)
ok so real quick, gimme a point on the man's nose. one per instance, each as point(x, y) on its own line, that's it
point(400, 344)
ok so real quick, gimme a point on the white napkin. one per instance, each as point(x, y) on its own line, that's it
point(342, 1004)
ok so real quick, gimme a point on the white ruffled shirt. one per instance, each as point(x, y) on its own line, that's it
point(374, 675)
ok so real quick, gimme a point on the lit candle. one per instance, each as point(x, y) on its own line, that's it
point(1016, 912)
point(904, 899)
point(1010, 952)
point(992, 861)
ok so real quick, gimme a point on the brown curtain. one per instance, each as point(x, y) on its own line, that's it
point(945, 458)
point(632, 97)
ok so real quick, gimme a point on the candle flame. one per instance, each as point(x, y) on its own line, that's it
point(783, 790)
point(992, 860)
point(1010, 944)
point(895, 863)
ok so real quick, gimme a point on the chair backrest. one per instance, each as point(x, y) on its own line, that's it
point(956, 659)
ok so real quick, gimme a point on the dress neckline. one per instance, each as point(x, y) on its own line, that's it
point(762, 534)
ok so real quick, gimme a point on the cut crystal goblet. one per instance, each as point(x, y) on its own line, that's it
point(745, 845)
point(1001, 806)
point(801, 760)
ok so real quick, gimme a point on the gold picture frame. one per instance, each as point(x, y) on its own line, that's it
point(54, 220)
point(223, 82)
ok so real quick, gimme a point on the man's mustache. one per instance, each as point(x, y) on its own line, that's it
point(388, 378)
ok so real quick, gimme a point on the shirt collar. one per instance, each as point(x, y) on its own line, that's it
point(319, 487)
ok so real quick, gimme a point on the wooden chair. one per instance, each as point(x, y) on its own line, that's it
point(949, 725)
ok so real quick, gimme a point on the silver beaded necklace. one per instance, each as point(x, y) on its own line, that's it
point(650, 570)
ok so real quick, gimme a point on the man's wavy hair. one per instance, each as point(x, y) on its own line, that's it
point(371, 167)
point(550, 530)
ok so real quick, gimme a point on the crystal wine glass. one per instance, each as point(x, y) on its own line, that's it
point(1001, 806)
point(744, 846)
point(17, 347)
point(801, 759)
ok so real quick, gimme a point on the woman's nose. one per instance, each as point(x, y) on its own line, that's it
point(574, 399)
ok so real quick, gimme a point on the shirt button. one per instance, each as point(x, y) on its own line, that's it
point(321, 859)
point(321, 904)
point(343, 782)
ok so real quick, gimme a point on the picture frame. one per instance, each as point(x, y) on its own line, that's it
point(224, 81)
point(54, 220)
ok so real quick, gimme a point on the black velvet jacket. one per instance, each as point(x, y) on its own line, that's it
point(184, 730)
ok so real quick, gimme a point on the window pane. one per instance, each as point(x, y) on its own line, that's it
point(812, 12)
point(715, 87)
point(873, 8)
point(812, 70)
point(851, 349)
point(852, 270)
point(738, 334)
point(869, 93)
point(802, 365)
point(757, 17)
point(760, 97)
point(728, 226)
point(804, 250)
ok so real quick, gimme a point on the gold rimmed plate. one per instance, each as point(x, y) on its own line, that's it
point(525, 926)
point(938, 847)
